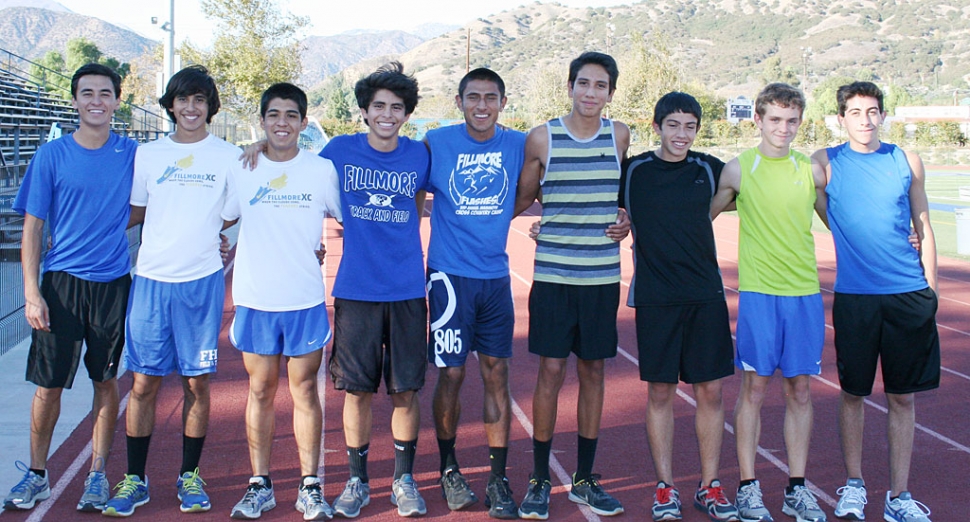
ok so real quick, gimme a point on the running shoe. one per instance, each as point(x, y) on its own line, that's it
point(589, 492)
point(666, 503)
point(28, 491)
point(407, 498)
point(191, 495)
point(904, 509)
point(132, 493)
point(801, 504)
point(751, 507)
point(356, 494)
point(535, 505)
point(852, 500)
point(498, 499)
point(310, 502)
point(714, 501)
point(455, 489)
point(96, 492)
point(258, 498)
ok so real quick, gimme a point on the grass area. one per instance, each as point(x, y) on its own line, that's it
point(943, 187)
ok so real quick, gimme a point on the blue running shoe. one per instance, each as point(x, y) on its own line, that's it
point(194, 498)
point(132, 493)
point(905, 509)
point(28, 491)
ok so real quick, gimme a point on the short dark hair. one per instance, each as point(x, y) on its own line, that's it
point(483, 74)
point(96, 69)
point(847, 92)
point(283, 91)
point(389, 77)
point(780, 94)
point(676, 102)
point(190, 81)
point(591, 57)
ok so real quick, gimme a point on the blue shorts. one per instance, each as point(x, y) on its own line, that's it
point(780, 332)
point(174, 326)
point(291, 333)
point(468, 315)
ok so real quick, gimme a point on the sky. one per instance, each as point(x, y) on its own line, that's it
point(327, 17)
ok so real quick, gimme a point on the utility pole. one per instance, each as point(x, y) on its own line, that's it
point(468, 50)
point(168, 60)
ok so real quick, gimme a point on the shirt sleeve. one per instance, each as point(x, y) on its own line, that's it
point(230, 210)
point(332, 191)
point(139, 183)
point(37, 188)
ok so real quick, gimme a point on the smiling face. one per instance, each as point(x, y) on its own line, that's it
point(590, 91)
point(95, 100)
point(384, 116)
point(861, 122)
point(481, 103)
point(282, 123)
point(779, 126)
point(677, 133)
point(190, 113)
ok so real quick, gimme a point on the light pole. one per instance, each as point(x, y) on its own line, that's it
point(168, 60)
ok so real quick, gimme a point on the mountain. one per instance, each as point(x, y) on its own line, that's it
point(31, 32)
point(50, 5)
point(432, 30)
point(323, 56)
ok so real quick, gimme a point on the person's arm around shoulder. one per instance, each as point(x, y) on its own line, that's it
point(920, 210)
point(35, 308)
point(821, 172)
point(533, 168)
point(728, 188)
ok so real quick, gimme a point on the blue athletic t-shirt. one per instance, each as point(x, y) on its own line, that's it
point(474, 185)
point(870, 217)
point(83, 196)
point(382, 258)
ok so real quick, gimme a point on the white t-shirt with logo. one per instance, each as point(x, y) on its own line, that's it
point(183, 187)
point(281, 206)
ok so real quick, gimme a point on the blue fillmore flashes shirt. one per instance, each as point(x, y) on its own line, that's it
point(474, 198)
point(382, 259)
point(83, 196)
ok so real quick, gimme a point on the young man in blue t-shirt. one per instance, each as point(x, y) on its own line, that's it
point(474, 171)
point(380, 313)
point(79, 187)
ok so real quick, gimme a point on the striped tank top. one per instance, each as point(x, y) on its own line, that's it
point(579, 200)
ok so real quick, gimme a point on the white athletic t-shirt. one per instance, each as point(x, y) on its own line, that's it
point(183, 187)
point(282, 206)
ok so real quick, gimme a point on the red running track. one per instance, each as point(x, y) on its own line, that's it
point(941, 461)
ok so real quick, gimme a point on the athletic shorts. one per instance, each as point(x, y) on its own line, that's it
point(85, 312)
point(691, 341)
point(579, 319)
point(175, 326)
point(780, 332)
point(379, 339)
point(468, 315)
point(898, 329)
point(291, 333)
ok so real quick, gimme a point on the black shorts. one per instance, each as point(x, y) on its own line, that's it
point(80, 312)
point(375, 339)
point(692, 342)
point(577, 319)
point(899, 329)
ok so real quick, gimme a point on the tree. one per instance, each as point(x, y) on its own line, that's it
point(823, 98)
point(255, 46)
point(647, 76)
point(81, 51)
point(774, 72)
point(54, 69)
point(337, 102)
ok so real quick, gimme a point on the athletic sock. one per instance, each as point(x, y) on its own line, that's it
point(404, 457)
point(266, 481)
point(745, 483)
point(39, 472)
point(138, 455)
point(358, 462)
point(191, 453)
point(540, 458)
point(794, 481)
point(586, 454)
point(446, 450)
point(497, 458)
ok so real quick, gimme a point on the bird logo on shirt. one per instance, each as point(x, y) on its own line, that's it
point(181, 164)
point(271, 186)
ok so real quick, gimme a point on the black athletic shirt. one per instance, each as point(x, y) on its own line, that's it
point(669, 205)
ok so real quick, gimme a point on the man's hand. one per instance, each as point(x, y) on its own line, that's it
point(250, 155)
point(321, 253)
point(534, 230)
point(224, 248)
point(914, 239)
point(621, 229)
point(37, 314)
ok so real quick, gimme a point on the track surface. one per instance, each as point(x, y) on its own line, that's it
point(941, 462)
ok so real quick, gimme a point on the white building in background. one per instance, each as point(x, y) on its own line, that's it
point(740, 109)
point(933, 114)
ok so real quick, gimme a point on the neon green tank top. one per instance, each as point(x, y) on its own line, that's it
point(776, 249)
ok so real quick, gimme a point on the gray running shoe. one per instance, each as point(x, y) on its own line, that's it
point(28, 491)
point(498, 499)
point(258, 498)
point(751, 507)
point(455, 489)
point(852, 500)
point(310, 502)
point(407, 498)
point(589, 492)
point(96, 489)
point(905, 509)
point(801, 504)
point(535, 505)
point(356, 495)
